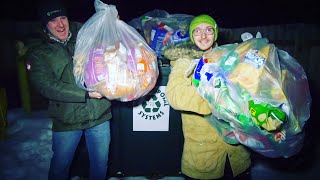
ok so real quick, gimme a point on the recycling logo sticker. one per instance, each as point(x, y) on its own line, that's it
point(153, 105)
point(153, 114)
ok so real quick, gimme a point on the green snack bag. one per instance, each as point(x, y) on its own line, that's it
point(266, 116)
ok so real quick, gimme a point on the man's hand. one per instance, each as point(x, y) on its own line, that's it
point(94, 94)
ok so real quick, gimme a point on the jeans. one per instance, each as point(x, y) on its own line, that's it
point(64, 145)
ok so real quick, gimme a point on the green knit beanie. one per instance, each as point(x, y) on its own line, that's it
point(203, 19)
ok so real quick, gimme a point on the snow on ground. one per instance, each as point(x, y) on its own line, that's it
point(26, 151)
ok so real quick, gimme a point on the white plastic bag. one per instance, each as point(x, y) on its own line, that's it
point(112, 58)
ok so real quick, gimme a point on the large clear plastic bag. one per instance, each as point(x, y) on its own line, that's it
point(259, 96)
point(112, 58)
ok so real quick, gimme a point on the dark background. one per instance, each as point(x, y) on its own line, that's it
point(228, 13)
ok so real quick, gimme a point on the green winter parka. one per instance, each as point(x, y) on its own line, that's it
point(51, 73)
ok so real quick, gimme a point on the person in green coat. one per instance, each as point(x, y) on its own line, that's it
point(205, 153)
point(73, 110)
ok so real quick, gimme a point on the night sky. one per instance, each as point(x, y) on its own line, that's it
point(228, 13)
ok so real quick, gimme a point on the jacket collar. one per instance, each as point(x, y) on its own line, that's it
point(53, 38)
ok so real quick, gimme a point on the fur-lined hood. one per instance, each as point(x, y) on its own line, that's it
point(188, 50)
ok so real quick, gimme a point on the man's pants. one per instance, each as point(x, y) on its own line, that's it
point(64, 145)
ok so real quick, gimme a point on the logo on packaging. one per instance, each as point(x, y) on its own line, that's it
point(254, 58)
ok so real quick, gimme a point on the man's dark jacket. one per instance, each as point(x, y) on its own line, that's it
point(51, 73)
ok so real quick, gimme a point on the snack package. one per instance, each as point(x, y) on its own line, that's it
point(112, 58)
point(259, 96)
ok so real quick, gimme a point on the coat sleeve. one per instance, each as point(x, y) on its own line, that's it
point(180, 92)
point(47, 85)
